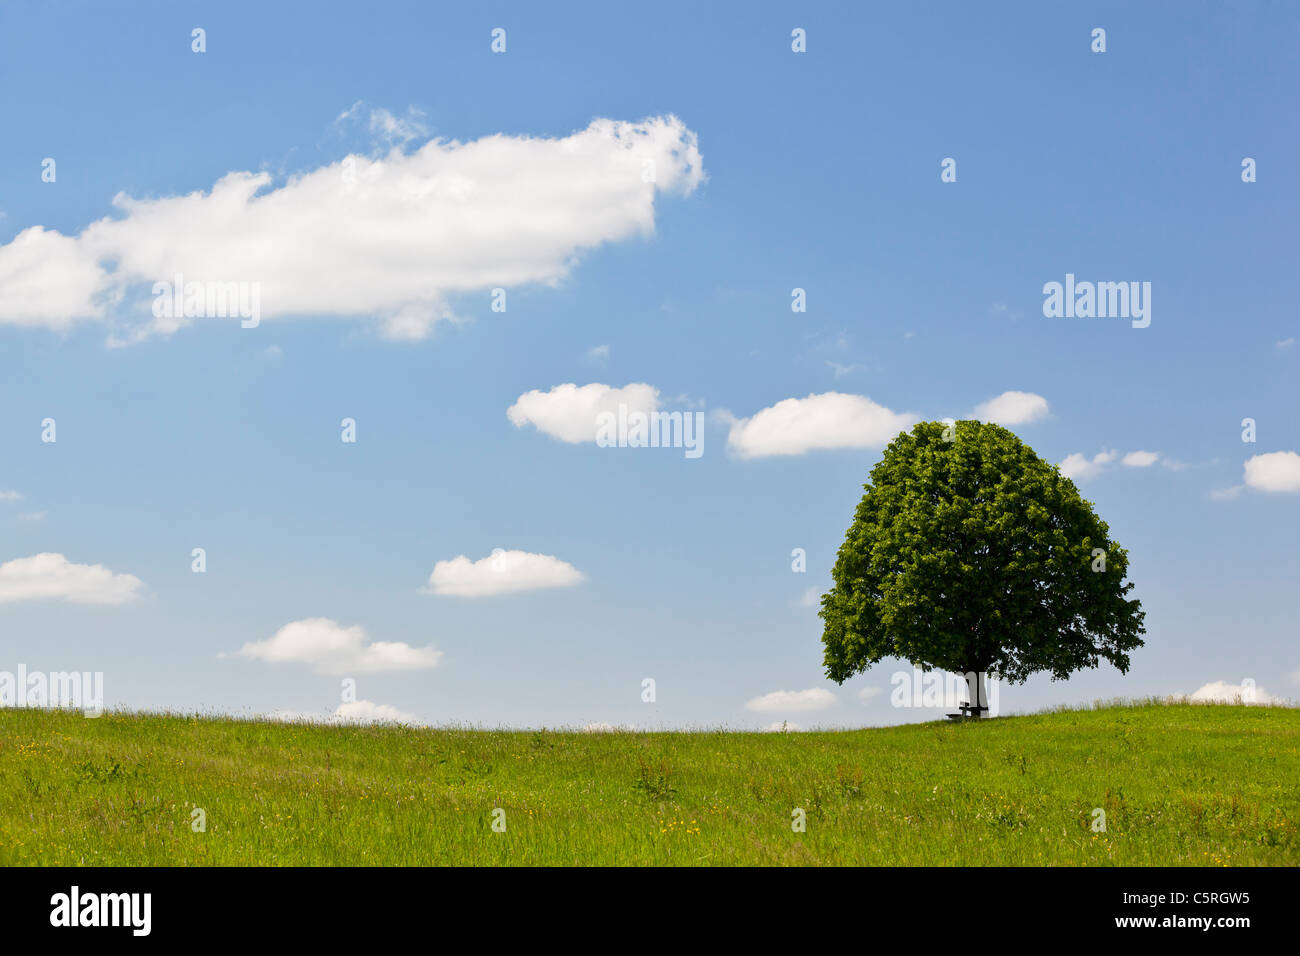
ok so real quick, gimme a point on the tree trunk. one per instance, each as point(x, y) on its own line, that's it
point(976, 691)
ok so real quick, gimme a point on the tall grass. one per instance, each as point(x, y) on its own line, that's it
point(1177, 783)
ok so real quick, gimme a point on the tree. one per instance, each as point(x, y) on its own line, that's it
point(969, 553)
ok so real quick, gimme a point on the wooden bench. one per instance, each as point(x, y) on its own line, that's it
point(968, 712)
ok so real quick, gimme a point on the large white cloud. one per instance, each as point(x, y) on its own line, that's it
point(786, 701)
point(569, 412)
point(502, 572)
point(49, 279)
point(829, 420)
point(331, 648)
point(52, 577)
point(393, 237)
point(1275, 471)
point(1012, 408)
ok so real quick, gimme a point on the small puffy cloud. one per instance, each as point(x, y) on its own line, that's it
point(502, 572)
point(1012, 408)
point(779, 701)
point(395, 237)
point(598, 353)
point(1221, 692)
point(1277, 471)
point(826, 421)
point(867, 693)
point(569, 412)
point(1140, 459)
point(331, 648)
point(812, 597)
point(52, 577)
point(1286, 343)
point(353, 712)
point(368, 712)
point(1079, 466)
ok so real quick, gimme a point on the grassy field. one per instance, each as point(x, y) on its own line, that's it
point(1179, 784)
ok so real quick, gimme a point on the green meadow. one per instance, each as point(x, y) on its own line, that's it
point(1179, 784)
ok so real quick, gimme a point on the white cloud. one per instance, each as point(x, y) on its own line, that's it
point(353, 712)
point(11, 496)
point(829, 420)
point(393, 237)
point(1275, 471)
point(397, 129)
point(782, 727)
point(598, 353)
point(1286, 343)
point(368, 712)
point(52, 577)
point(867, 693)
point(1081, 467)
point(1012, 408)
point(1221, 692)
point(569, 412)
point(1140, 459)
point(502, 572)
point(49, 279)
point(816, 698)
point(331, 648)
point(1078, 466)
point(842, 370)
point(812, 597)
point(386, 129)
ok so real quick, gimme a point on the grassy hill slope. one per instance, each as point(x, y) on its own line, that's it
point(1179, 784)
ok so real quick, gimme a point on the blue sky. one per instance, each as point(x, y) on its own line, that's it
point(820, 171)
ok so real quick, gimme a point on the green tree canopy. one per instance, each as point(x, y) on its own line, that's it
point(969, 553)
